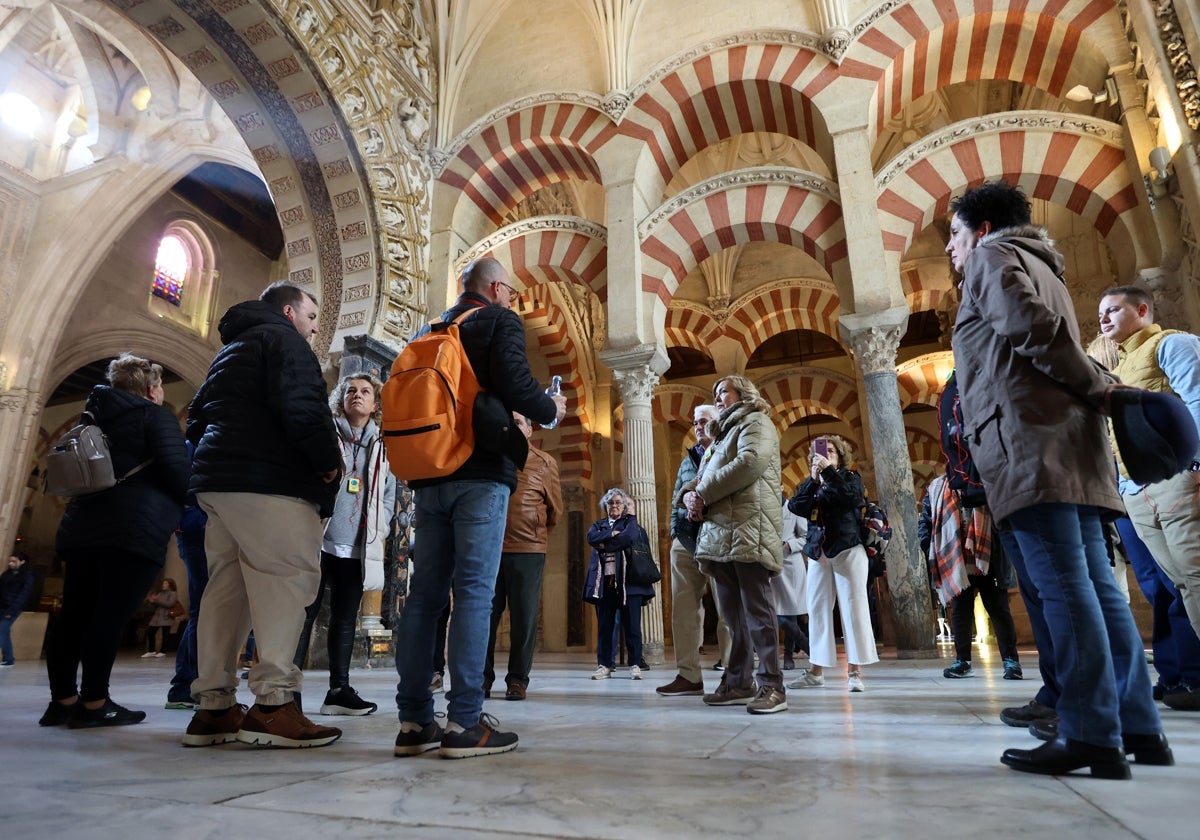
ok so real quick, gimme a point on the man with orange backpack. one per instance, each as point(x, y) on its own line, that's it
point(458, 530)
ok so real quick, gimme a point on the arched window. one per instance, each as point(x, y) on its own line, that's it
point(170, 269)
point(182, 289)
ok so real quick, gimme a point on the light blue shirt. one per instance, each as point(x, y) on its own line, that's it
point(1179, 358)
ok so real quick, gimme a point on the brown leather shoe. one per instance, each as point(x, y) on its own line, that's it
point(679, 687)
point(284, 727)
point(207, 729)
point(515, 691)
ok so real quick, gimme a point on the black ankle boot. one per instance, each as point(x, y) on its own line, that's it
point(1061, 756)
point(1149, 749)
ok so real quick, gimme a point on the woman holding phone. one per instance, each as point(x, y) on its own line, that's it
point(830, 500)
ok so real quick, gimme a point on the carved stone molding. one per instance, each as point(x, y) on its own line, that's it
point(1102, 130)
point(18, 400)
point(783, 175)
point(573, 224)
point(875, 348)
point(1179, 61)
point(636, 384)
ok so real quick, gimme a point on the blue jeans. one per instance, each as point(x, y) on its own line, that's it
point(1176, 646)
point(6, 648)
point(191, 549)
point(1098, 655)
point(458, 532)
point(1050, 691)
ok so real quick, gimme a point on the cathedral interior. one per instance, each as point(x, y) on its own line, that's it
point(680, 189)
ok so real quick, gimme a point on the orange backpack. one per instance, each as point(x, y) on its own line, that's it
point(428, 402)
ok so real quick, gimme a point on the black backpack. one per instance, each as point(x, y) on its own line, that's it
point(961, 473)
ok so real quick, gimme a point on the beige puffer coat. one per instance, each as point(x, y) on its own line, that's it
point(743, 522)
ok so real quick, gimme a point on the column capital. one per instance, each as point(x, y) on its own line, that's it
point(636, 370)
point(875, 338)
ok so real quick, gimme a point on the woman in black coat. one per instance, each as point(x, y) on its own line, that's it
point(606, 585)
point(114, 543)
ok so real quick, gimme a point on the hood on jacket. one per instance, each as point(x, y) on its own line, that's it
point(106, 403)
point(252, 313)
point(1034, 241)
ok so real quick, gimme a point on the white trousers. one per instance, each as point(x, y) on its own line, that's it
point(840, 580)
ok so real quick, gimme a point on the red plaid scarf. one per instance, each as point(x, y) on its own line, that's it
point(958, 536)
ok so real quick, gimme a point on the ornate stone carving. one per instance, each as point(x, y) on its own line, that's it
point(616, 104)
point(525, 226)
point(875, 349)
point(636, 384)
point(1179, 60)
point(835, 42)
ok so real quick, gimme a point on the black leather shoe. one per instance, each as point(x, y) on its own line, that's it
point(1062, 756)
point(1045, 730)
point(1145, 749)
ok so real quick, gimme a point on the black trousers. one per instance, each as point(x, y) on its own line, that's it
point(102, 589)
point(995, 601)
point(519, 588)
point(343, 577)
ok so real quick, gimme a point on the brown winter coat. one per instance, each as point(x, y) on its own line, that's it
point(1031, 398)
point(534, 506)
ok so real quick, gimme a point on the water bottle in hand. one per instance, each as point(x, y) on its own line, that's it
point(554, 390)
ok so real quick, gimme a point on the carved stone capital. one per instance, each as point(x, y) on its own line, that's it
point(636, 384)
point(636, 370)
point(875, 349)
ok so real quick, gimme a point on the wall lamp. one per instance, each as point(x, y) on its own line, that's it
point(1159, 182)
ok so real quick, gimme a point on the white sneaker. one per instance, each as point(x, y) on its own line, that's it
point(807, 679)
point(148, 655)
point(603, 672)
point(635, 673)
point(158, 654)
point(856, 684)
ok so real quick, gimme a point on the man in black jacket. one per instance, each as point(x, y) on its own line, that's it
point(265, 471)
point(459, 531)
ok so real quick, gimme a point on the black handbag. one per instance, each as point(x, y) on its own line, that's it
point(640, 568)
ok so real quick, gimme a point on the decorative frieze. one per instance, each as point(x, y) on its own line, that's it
point(299, 247)
point(166, 28)
point(354, 230)
point(259, 32)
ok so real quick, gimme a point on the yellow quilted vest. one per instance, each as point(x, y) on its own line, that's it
point(1139, 367)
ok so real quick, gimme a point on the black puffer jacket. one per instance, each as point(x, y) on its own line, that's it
point(139, 514)
point(261, 421)
point(834, 506)
point(494, 339)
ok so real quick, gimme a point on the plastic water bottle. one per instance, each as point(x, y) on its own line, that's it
point(554, 390)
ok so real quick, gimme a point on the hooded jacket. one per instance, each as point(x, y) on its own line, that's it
point(743, 522)
point(139, 514)
point(261, 420)
point(1031, 397)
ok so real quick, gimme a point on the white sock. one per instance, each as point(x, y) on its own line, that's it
point(410, 726)
point(454, 727)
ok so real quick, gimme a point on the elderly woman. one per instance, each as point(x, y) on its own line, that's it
point(352, 551)
point(740, 544)
point(114, 543)
point(830, 500)
point(606, 585)
point(1033, 409)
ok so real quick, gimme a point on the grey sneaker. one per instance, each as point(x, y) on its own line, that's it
point(807, 679)
point(481, 739)
point(768, 701)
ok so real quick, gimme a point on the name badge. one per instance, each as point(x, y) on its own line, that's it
point(353, 485)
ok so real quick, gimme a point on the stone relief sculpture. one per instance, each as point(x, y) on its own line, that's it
point(413, 121)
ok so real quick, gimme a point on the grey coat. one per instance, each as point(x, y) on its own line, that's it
point(740, 487)
point(1031, 398)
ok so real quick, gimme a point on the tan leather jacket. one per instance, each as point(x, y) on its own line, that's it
point(534, 506)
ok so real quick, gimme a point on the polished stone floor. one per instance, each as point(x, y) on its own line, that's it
point(916, 755)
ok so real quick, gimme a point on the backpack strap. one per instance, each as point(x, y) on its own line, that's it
point(442, 324)
point(87, 419)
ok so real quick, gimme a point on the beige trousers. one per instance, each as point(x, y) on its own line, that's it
point(264, 567)
point(1166, 516)
point(687, 614)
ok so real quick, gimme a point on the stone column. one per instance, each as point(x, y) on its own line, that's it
point(875, 340)
point(636, 372)
point(577, 516)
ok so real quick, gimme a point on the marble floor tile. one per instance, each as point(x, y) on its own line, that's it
point(915, 755)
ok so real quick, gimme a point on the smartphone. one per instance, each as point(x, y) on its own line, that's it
point(821, 447)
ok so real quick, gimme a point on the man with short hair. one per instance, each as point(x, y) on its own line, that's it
point(687, 581)
point(533, 509)
point(456, 536)
point(1166, 515)
point(265, 471)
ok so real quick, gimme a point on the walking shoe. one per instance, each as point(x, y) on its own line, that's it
point(1012, 670)
point(7, 664)
point(158, 654)
point(214, 726)
point(286, 726)
point(726, 696)
point(188, 704)
point(481, 739)
point(428, 737)
point(110, 714)
point(855, 683)
point(345, 701)
point(635, 672)
point(1183, 699)
point(56, 714)
point(719, 666)
point(960, 670)
point(436, 685)
point(807, 679)
point(148, 655)
point(1145, 749)
point(679, 687)
point(514, 691)
point(768, 701)
point(602, 672)
point(1022, 716)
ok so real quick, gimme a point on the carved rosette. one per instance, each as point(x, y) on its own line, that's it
point(875, 349)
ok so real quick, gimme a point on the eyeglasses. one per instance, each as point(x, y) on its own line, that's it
point(511, 291)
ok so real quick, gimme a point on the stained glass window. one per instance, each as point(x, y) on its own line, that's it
point(170, 269)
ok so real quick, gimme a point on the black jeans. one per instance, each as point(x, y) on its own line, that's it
point(519, 585)
point(343, 576)
point(607, 611)
point(102, 589)
point(995, 601)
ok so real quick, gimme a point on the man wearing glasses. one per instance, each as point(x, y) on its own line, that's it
point(457, 538)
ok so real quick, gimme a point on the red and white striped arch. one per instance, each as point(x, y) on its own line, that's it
point(799, 392)
point(1082, 171)
point(740, 89)
point(549, 249)
point(768, 312)
point(926, 45)
point(677, 403)
point(707, 219)
point(925, 453)
point(920, 380)
point(923, 288)
point(523, 151)
point(691, 325)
